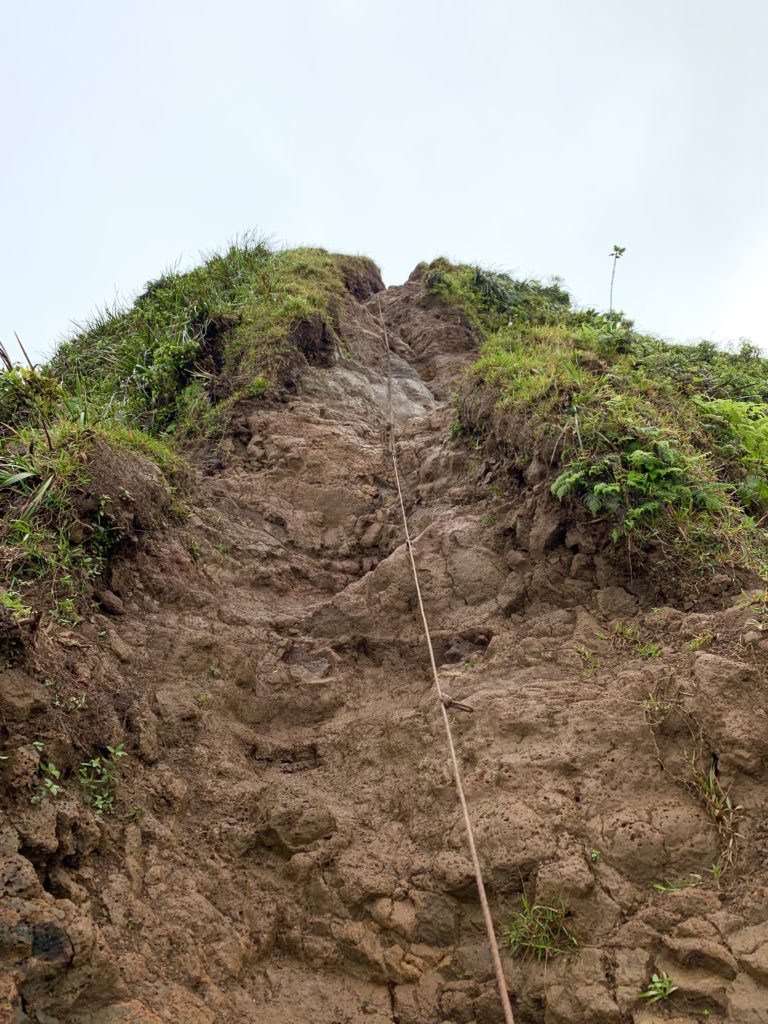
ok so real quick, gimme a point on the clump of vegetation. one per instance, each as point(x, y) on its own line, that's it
point(99, 779)
point(701, 640)
point(625, 636)
point(12, 604)
point(194, 344)
point(489, 300)
point(54, 544)
point(591, 661)
point(539, 932)
point(704, 784)
point(667, 443)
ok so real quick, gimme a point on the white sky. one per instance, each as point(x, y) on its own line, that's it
point(530, 136)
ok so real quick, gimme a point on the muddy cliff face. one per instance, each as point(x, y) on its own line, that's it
point(288, 845)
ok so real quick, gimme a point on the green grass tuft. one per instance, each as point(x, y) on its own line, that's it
point(539, 932)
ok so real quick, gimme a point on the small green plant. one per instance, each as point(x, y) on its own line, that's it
point(49, 775)
point(618, 252)
point(51, 781)
point(594, 856)
point(194, 550)
point(257, 387)
point(66, 612)
point(654, 705)
point(649, 650)
point(99, 779)
point(701, 640)
point(713, 794)
point(660, 987)
point(202, 699)
point(626, 636)
point(591, 662)
point(11, 600)
point(539, 931)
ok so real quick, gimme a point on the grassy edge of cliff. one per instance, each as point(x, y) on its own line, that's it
point(91, 445)
point(665, 443)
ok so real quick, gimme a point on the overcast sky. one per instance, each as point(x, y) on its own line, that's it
point(530, 136)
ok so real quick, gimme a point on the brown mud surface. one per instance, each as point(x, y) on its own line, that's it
point(287, 845)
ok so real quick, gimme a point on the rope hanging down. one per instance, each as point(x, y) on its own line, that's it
point(446, 702)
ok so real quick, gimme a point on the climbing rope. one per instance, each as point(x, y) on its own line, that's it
point(445, 702)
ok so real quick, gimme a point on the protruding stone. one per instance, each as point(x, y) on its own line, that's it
point(615, 602)
point(702, 953)
point(111, 603)
point(21, 696)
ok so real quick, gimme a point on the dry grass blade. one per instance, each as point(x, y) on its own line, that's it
point(24, 351)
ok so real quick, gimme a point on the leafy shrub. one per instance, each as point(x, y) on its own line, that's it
point(740, 435)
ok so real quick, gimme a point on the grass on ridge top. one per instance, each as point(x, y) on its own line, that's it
point(668, 442)
point(171, 366)
point(194, 343)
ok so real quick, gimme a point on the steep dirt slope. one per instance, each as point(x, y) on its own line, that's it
point(289, 846)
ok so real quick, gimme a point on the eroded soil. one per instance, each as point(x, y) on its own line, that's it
point(288, 845)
